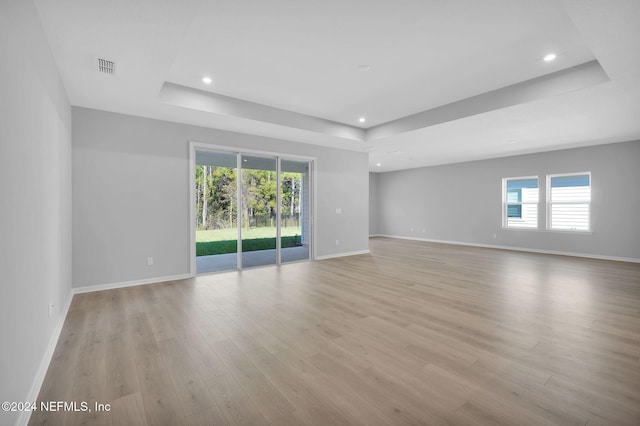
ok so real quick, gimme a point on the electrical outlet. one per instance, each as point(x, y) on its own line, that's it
point(424, 229)
point(337, 242)
point(149, 261)
point(411, 229)
point(338, 210)
point(495, 236)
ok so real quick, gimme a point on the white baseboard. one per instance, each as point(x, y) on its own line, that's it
point(350, 253)
point(528, 250)
point(23, 418)
point(111, 286)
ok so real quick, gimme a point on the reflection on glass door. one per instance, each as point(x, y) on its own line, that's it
point(259, 210)
point(216, 211)
point(295, 235)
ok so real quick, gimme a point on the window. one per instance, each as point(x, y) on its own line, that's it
point(520, 202)
point(569, 202)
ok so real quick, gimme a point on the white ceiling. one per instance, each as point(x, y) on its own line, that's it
point(290, 69)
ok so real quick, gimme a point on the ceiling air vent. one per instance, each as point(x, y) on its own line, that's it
point(106, 66)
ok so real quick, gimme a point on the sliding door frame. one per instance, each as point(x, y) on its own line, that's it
point(199, 146)
point(238, 208)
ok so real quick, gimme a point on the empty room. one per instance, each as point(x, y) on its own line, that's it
point(412, 212)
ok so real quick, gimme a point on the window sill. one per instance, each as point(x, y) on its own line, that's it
point(552, 231)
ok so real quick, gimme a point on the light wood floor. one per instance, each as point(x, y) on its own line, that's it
point(415, 333)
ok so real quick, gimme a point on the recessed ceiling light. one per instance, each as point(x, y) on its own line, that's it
point(379, 164)
point(550, 57)
point(364, 67)
point(206, 80)
point(362, 119)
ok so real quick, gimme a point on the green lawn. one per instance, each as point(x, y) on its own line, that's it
point(221, 241)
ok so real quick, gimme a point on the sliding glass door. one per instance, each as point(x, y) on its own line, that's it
point(259, 210)
point(295, 203)
point(216, 211)
point(249, 209)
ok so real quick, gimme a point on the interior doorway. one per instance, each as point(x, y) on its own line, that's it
point(249, 209)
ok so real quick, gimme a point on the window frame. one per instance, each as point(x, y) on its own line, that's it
point(505, 204)
point(550, 202)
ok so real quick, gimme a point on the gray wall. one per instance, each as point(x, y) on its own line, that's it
point(462, 202)
point(373, 203)
point(35, 192)
point(131, 195)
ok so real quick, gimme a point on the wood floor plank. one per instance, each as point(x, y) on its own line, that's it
point(394, 410)
point(206, 362)
point(89, 384)
point(264, 395)
point(121, 375)
point(161, 401)
point(235, 405)
point(187, 381)
point(58, 382)
point(313, 406)
point(127, 410)
point(413, 333)
point(209, 416)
